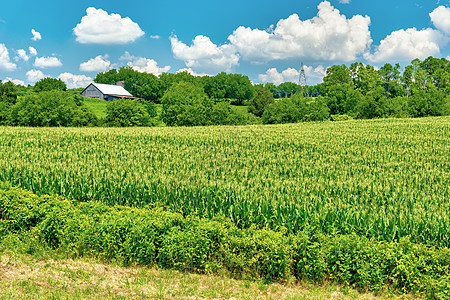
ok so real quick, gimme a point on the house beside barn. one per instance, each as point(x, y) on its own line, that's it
point(106, 92)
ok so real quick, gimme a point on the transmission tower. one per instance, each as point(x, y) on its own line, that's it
point(302, 78)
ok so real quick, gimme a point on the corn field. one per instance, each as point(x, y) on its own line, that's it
point(382, 179)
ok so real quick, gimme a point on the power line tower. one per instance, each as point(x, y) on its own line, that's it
point(302, 78)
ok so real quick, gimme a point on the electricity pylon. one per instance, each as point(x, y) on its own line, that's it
point(302, 78)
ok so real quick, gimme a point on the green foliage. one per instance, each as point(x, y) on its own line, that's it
point(230, 86)
point(185, 104)
point(50, 108)
point(362, 91)
point(296, 109)
point(263, 97)
point(49, 84)
point(128, 112)
point(140, 84)
point(8, 97)
point(152, 236)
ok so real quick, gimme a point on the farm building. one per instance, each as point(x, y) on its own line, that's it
point(106, 91)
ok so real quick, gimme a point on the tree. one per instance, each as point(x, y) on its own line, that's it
point(407, 79)
point(108, 77)
point(49, 84)
point(262, 98)
point(186, 104)
point(126, 113)
point(51, 108)
point(8, 97)
point(317, 110)
point(140, 84)
point(390, 76)
point(287, 89)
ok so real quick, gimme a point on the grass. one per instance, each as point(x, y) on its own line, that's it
point(24, 276)
point(98, 106)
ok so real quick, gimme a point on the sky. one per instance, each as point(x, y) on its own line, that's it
point(266, 40)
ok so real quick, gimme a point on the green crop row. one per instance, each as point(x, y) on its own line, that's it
point(152, 236)
point(382, 179)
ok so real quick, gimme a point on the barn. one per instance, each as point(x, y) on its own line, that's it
point(106, 91)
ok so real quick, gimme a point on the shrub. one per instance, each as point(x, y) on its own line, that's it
point(151, 235)
point(51, 108)
point(128, 112)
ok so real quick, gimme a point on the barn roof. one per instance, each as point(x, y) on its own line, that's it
point(108, 89)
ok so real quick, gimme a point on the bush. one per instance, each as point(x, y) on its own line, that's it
point(185, 104)
point(258, 103)
point(51, 108)
point(151, 235)
point(296, 109)
point(49, 84)
point(129, 112)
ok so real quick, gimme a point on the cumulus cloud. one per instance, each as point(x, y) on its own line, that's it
point(204, 54)
point(344, 1)
point(22, 54)
point(35, 75)
point(32, 50)
point(329, 36)
point(75, 81)
point(192, 72)
point(404, 45)
point(99, 27)
point(36, 35)
point(155, 37)
point(97, 64)
point(5, 61)
point(15, 81)
point(143, 64)
point(313, 75)
point(407, 44)
point(441, 19)
point(47, 62)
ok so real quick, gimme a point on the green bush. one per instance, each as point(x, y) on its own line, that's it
point(51, 108)
point(129, 112)
point(153, 236)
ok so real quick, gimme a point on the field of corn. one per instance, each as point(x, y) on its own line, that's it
point(382, 179)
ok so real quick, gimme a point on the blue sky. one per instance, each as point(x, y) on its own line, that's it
point(265, 40)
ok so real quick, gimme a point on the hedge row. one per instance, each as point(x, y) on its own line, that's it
point(153, 236)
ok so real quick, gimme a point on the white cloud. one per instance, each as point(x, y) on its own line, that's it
point(35, 75)
point(405, 45)
point(15, 81)
point(441, 19)
point(36, 35)
point(5, 61)
point(47, 62)
point(22, 54)
point(75, 81)
point(97, 64)
point(328, 36)
point(192, 72)
point(143, 64)
point(205, 55)
point(155, 37)
point(344, 1)
point(313, 75)
point(33, 51)
point(99, 27)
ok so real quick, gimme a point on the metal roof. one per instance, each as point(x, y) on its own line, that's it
point(108, 89)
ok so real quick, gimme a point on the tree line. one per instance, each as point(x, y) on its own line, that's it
point(356, 91)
